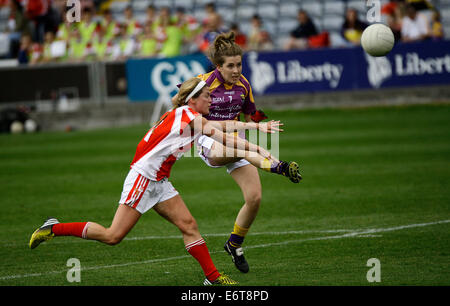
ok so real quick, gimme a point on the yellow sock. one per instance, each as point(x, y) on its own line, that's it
point(237, 236)
point(240, 231)
point(266, 164)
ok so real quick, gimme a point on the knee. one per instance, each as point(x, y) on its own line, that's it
point(113, 238)
point(253, 199)
point(188, 226)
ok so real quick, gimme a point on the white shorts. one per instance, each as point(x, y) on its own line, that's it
point(204, 145)
point(142, 193)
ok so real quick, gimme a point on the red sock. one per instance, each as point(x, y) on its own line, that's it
point(77, 229)
point(199, 251)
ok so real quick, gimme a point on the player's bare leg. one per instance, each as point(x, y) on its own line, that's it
point(220, 155)
point(124, 220)
point(176, 212)
point(247, 178)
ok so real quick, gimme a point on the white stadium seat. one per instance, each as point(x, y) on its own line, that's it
point(245, 11)
point(313, 8)
point(266, 10)
point(334, 7)
point(289, 9)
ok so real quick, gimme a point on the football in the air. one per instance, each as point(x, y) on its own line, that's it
point(377, 39)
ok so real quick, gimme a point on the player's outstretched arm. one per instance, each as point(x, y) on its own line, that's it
point(230, 126)
point(205, 127)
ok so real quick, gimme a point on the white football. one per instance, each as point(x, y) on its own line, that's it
point(30, 126)
point(16, 127)
point(377, 39)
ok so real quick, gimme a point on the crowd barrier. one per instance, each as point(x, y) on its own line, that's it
point(150, 79)
point(321, 70)
point(91, 82)
point(277, 73)
point(412, 64)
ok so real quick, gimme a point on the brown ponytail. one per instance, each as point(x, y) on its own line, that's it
point(223, 45)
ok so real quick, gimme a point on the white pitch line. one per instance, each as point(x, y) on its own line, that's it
point(97, 267)
point(253, 234)
point(137, 238)
point(347, 235)
point(354, 234)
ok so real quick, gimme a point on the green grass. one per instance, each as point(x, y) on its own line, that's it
point(384, 168)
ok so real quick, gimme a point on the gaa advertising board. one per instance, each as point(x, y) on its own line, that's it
point(318, 70)
point(408, 64)
point(149, 79)
point(412, 64)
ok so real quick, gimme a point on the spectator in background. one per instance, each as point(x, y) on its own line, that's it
point(161, 25)
point(101, 44)
point(37, 12)
point(299, 36)
point(174, 40)
point(77, 46)
point(352, 27)
point(64, 29)
point(36, 53)
point(254, 35)
point(240, 38)
point(258, 38)
point(420, 4)
point(414, 26)
point(437, 32)
point(187, 23)
point(266, 43)
point(25, 49)
point(110, 26)
point(191, 30)
point(46, 48)
point(211, 13)
point(87, 26)
point(147, 42)
point(394, 11)
point(127, 44)
point(151, 16)
point(212, 28)
point(18, 25)
point(133, 27)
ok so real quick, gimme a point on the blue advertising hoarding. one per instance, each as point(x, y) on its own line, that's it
point(408, 64)
point(318, 70)
point(412, 64)
point(149, 79)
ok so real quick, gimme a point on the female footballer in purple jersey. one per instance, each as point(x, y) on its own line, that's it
point(231, 95)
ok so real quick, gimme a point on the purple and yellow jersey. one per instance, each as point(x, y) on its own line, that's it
point(228, 101)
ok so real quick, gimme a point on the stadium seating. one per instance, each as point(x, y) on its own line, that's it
point(279, 16)
point(289, 9)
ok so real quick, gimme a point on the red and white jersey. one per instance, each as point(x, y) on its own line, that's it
point(165, 143)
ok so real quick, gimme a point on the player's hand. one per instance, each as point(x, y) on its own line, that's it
point(270, 127)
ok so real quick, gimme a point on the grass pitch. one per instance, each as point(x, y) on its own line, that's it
point(375, 186)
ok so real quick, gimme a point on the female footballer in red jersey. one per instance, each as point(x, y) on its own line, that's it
point(147, 185)
point(231, 95)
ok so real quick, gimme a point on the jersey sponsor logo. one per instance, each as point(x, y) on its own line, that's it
point(218, 100)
